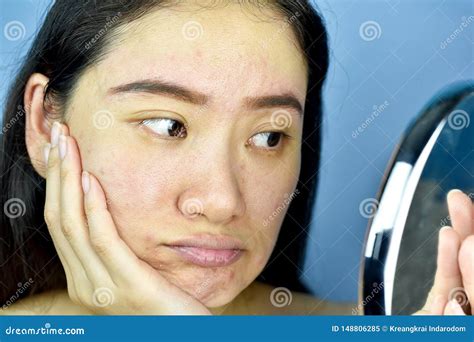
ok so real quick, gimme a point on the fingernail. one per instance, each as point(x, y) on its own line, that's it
point(55, 134)
point(62, 146)
point(453, 191)
point(46, 150)
point(445, 228)
point(85, 182)
point(455, 307)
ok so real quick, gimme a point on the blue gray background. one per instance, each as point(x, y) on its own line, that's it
point(388, 59)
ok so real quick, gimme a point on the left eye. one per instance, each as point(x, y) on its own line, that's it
point(166, 127)
point(266, 140)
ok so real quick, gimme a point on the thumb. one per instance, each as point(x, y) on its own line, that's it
point(453, 309)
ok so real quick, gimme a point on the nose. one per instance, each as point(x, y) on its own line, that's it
point(215, 193)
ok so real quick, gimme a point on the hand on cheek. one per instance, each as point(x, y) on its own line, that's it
point(103, 274)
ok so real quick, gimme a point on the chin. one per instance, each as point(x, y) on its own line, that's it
point(212, 287)
point(223, 297)
point(215, 293)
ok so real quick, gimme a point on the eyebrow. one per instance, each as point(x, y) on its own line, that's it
point(158, 87)
point(182, 93)
point(275, 101)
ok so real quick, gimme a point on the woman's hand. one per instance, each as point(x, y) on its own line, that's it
point(103, 273)
point(453, 289)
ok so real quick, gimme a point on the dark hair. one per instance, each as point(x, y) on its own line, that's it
point(62, 51)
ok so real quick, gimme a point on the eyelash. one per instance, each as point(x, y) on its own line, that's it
point(182, 134)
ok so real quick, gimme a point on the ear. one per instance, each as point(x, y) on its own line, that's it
point(37, 123)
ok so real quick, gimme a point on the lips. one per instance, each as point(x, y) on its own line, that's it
point(209, 250)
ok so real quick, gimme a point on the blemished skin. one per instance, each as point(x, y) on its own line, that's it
point(153, 177)
point(147, 176)
point(110, 226)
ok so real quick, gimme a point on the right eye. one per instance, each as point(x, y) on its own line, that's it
point(165, 127)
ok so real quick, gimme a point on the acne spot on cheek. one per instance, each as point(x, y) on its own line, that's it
point(101, 171)
point(148, 237)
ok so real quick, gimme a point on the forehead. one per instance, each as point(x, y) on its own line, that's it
point(219, 50)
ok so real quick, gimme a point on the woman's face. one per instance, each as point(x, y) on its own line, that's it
point(211, 86)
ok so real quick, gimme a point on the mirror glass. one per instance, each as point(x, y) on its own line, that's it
point(435, 156)
point(450, 165)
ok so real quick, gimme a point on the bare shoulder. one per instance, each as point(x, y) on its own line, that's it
point(49, 303)
point(264, 299)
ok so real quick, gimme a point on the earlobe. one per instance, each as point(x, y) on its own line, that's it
point(37, 123)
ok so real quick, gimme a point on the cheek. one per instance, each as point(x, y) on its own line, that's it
point(269, 198)
point(136, 189)
point(142, 189)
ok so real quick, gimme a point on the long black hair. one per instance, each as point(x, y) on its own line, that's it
point(74, 36)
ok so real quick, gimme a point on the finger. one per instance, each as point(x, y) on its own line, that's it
point(73, 220)
point(67, 271)
point(110, 247)
point(117, 256)
point(460, 212)
point(71, 290)
point(422, 312)
point(112, 250)
point(52, 209)
point(466, 264)
point(453, 308)
point(64, 129)
point(448, 275)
